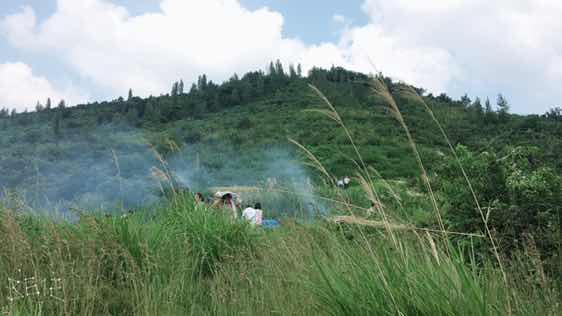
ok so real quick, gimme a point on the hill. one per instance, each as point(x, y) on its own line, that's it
point(469, 229)
point(245, 116)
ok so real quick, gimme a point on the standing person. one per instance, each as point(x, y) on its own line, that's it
point(253, 215)
point(346, 181)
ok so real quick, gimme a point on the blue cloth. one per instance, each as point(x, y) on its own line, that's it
point(269, 223)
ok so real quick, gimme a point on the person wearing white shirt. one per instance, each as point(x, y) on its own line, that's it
point(253, 214)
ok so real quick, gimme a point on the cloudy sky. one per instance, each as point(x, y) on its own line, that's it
point(87, 50)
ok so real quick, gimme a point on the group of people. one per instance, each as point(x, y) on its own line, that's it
point(230, 201)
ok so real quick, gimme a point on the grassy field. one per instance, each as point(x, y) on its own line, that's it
point(183, 258)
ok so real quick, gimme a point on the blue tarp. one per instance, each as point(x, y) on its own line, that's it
point(269, 223)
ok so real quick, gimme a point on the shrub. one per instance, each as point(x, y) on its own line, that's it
point(517, 193)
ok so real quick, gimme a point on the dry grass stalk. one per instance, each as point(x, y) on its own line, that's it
point(374, 198)
point(364, 175)
point(379, 88)
point(334, 115)
point(433, 248)
point(393, 226)
point(315, 162)
point(408, 91)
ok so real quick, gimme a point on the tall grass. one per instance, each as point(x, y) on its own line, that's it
point(184, 263)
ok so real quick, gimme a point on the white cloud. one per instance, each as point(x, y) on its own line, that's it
point(17, 28)
point(455, 46)
point(338, 18)
point(104, 43)
point(20, 89)
point(500, 46)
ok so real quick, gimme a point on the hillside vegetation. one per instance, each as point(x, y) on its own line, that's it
point(468, 200)
point(260, 110)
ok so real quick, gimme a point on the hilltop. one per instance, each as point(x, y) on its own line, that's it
point(259, 109)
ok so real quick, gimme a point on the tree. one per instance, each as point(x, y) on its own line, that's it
point(271, 69)
point(292, 72)
point(509, 184)
point(215, 104)
point(48, 105)
point(56, 126)
point(175, 89)
point(152, 112)
point(503, 107)
point(38, 107)
point(488, 106)
point(132, 116)
point(260, 85)
point(180, 87)
point(299, 70)
point(477, 106)
point(235, 96)
point(489, 113)
point(130, 97)
point(465, 100)
point(62, 105)
point(245, 90)
point(193, 89)
point(202, 82)
point(554, 114)
point(279, 68)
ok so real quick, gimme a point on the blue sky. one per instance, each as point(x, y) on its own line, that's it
point(87, 50)
point(312, 21)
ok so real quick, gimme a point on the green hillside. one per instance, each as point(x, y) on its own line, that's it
point(258, 110)
point(470, 227)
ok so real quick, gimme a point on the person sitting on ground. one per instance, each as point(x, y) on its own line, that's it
point(375, 209)
point(228, 202)
point(339, 183)
point(199, 199)
point(372, 210)
point(225, 200)
point(253, 214)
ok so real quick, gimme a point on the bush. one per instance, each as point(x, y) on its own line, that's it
point(518, 194)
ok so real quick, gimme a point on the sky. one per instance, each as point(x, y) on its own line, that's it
point(94, 50)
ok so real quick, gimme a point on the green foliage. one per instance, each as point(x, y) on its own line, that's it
point(503, 108)
point(266, 109)
point(212, 235)
point(520, 197)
